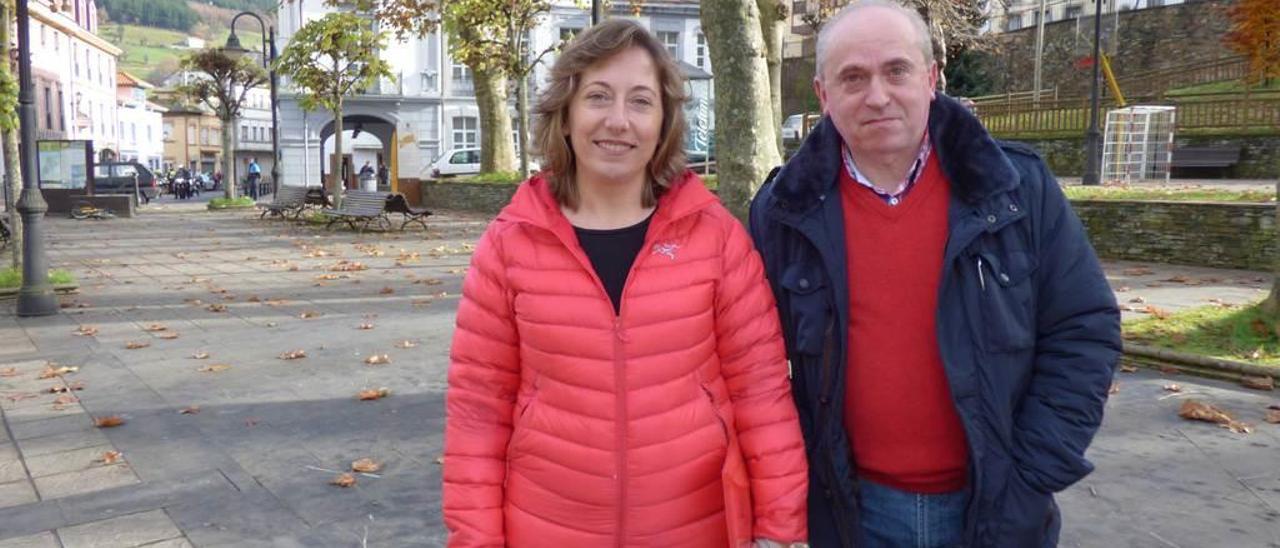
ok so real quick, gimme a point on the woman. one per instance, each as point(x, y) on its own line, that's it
point(618, 375)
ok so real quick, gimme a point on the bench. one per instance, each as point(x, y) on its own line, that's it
point(1210, 156)
point(6, 235)
point(288, 200)
point(397, 203)
point(360, 206)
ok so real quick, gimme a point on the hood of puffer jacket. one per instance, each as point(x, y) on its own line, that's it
point(534, 204)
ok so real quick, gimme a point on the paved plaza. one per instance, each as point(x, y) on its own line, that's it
point(184, 316)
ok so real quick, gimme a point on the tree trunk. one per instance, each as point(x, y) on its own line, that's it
point(772, 30)
point(522, 132)
point(228, 159)
point(336, 179)
point(12, 169)
point(496, 151)
point(746, 144)
point(1272, 305)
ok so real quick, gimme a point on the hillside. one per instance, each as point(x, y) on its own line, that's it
point(153, 53)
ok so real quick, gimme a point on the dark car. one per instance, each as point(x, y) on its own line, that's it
point(118, 178)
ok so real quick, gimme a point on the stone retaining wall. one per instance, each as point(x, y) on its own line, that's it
point(1191, 233)
point(1259, 155)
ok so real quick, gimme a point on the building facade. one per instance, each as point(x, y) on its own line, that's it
point(1019, 14)
point(141, 133)
point(192, 139)
point(428, 105)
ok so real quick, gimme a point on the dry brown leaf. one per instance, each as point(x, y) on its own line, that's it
point(50, 371)
point(86, 331)
point(1138, 300)
point(251, 422)
point(1170, 370)
point(325, 277)
point(1115, 387)
point(364, 326)
point(377, 359)
point(109, 457)
point(1207, 412)
point(168, 335)
point(270, 324)
point(156, 327)
point(254, 299)
point(1122, 289)
point(19, 396)
point(386, 291)
point(1258, 382)
point(366, 465)
point(1273, 416)
point(421, 302)
point(293, 354)
point(373, 394)
point(217, 307)
point(1138, 271)
point(1156, 311)
point(309, 314)
point(348, 266)
point(1177, 279)
point(214, 368)
point(200, 356)
point(344, 480)
point(189, 410)
point(134, 345)
point(108, 422)
point(65, 399)
point(406, 344)
point(1172, 387)
point(66, 388)
point(9, 372)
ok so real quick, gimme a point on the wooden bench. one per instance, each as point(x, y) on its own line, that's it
point(360, 207)
point(1210, 156)
point(397, 203)
point(288, 201)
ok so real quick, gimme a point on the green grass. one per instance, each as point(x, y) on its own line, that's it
point(11, 277)
point(147, 50)
point(1239, 333)
point(1226, 86)
point(493, 178)
point(1181, 194)
point(223, 203)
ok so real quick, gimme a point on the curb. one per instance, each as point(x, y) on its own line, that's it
point(57, 288)
point(1161, 358)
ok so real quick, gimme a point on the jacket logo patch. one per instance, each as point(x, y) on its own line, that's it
point(666, 249)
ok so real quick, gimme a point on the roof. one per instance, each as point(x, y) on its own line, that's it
point(125, 79)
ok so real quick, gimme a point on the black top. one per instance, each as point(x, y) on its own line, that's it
point(612, 252)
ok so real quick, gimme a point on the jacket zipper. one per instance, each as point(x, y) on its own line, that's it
point(620, 432)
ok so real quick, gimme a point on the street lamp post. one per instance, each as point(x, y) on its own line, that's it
point(268, 61)
point(36, 296)
point(1093, 137)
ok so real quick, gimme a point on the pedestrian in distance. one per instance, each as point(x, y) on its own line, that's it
point(617, 375)
point(255, 175)
point(951, 334)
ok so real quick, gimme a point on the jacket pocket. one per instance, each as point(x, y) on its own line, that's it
point(1027, 517)
point(1008, 299)
point(735, 480)
point(808, 306)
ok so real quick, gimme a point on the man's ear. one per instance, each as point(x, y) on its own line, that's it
point(933, 79)
point(821, 92)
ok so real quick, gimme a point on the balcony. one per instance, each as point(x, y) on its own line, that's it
point(386, 87)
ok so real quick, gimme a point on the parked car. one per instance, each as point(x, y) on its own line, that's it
point(118, 178)
point(458, 161)
point(791, 127)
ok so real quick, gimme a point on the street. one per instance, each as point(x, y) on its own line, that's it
point(184, 319)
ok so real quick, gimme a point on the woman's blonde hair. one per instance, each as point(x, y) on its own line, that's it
point(552, 111)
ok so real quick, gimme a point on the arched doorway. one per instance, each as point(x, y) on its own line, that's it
point(366, 139)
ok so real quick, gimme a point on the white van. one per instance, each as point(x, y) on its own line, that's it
point(458, 161)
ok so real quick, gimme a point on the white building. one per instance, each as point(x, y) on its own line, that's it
point(251, 139)
point(141, 122)
point(74, 72)
point(1013, 15)
point(428, 105)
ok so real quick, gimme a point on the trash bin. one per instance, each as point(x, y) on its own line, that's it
point(369, 183)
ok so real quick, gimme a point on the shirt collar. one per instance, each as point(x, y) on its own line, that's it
point(914, 174)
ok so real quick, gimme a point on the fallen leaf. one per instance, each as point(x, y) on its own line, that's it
point(364, 326)
point(422, 302)
point(1127, 308)
point(1260, 327)
point(254, 299)
point(9, 372)
point(1158, 312)
point(1115, 387)
point(189, 410)
point(348, 266)
point(1273, 416)
point(1138, 271)
point(330, 276)
point(293, 355)
point(200, 356)
point(1258, 382)
point(251, 422)
point(1126, 368)
point(19, 396)
point(134, 345)
point(109, 457)
point(309, 314)
point(1170, 370)
point(156, 327)
point(1122, 289)
point(1138, 300)
point(1176, 279)
point(216, 307)
point(377, 359)
point(344, 480)
point(406, 344)
point(373, 394)
point(270, 324)
point(1178, 338)
point(366, 465)
point(431, 281)
point(1207, 412)
point(387, 291)
point(214, 368)
point(169, 335)
point(1172, 387)
point(50, 371)
point(108, 422)
point(86, 331)
point(65, 399)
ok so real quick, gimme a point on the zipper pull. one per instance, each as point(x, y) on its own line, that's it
point(618, 331)
point(982, 281)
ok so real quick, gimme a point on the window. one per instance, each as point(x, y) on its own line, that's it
point(671, 40)
point(466, 131)
point(167, 131)
point(461, 72)
point(700, 52)
point(62, 120)
point(1073, 12)
point(567, 33)
point(191, 134)
point(1013, 23)
point(75, 56)
point(244, 132)
point(42, 33)
point(48, 108)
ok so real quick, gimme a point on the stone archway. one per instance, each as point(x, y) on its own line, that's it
point(354, 126)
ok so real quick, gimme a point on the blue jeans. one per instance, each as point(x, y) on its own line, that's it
point(898, 519)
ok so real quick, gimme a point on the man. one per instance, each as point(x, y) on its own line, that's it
point(951, 334)
point(255, 174)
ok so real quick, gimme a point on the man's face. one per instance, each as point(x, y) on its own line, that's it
point(875, 83)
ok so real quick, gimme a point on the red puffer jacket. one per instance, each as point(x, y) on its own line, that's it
point(670, 424)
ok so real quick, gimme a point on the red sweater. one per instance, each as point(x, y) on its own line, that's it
point(901, 419)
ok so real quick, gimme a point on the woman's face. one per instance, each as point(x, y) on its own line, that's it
point(615, 118)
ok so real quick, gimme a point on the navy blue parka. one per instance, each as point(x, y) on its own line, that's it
point(1027, 326)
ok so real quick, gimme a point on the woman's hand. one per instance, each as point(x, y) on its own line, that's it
point(766, 543)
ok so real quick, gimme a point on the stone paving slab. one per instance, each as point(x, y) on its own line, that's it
point(16, 493)
point(85, 481)
point(123, 532)
point(42, 540)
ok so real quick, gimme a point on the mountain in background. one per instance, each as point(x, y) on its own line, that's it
point(156, 34)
